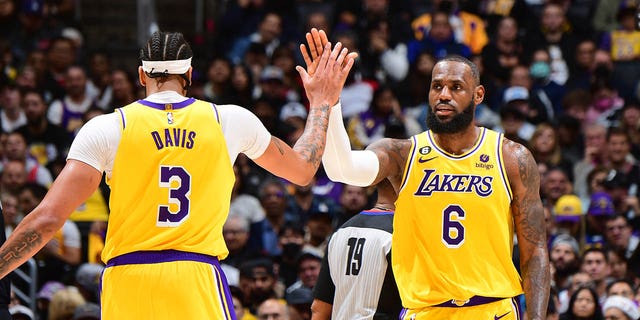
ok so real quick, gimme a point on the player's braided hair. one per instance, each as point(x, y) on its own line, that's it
point(164, 46)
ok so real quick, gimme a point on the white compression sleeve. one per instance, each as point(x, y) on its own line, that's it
point(358, 168)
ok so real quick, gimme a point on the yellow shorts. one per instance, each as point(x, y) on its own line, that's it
point(165, 285)
point(503, 309)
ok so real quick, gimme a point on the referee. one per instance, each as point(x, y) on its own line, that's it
point(356, 280)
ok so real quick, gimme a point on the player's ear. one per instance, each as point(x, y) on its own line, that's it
point(141, 77)
point(478, 95)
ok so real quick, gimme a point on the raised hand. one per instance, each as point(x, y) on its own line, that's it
point(316, 40)
point(330, 73)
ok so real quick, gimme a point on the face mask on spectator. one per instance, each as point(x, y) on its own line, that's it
point(540, 70)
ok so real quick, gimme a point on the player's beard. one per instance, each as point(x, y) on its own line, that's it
point(458, 123)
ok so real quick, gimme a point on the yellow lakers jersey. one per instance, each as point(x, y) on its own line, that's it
point(625, 45)
point(453, 228)
point(171, 180)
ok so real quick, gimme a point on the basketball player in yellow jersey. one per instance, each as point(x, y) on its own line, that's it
point(462, 192)
point(168, 160)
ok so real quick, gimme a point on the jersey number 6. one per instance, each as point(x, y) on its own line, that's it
point(452, 229)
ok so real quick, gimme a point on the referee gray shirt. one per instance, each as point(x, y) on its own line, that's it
point(356, 276)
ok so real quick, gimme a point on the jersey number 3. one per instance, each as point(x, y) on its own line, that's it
point(452, 229)
point(354, 260)
point(178, 181)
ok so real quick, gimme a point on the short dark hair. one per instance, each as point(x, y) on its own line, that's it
point(475, 72)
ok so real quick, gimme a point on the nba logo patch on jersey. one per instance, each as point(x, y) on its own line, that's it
point(169, 118)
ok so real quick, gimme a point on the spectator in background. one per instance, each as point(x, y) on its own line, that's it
point(64, 303)
point(412, 91)
point(584, 304)
point(595, 138)
point(543, 84)
point(291, 240)
point(513, 122)
point(618, 234)
point(11, 113)
point(469, 28)
point(267, 34)
point(299, 303)
point(370, 126)
point(569, 139)
point(596, 264)
point(318, 229)
point(617, 307)
point(545, 148)
point(46, 142)
point(600, 208)
point(272, 309)
point(630, 123)
point(569, 217)
point(575, 104)
point(585, 68)
point(242, 203)
point(16, 150)
point(259, 282)
point(124, 88)
point(624, 48)
point(60, 55)
point(264, 234)
point(554, 184)
point(353, 199)
point(242, 313)
point(236, 236)
point(241, 90)
point(503, 52)
point(576, 281)
point(383, 59)
point(565, 259)
point(308, 263)
point(440, 40)
point(304, 202)
point(605, 103)
point(10, 213)
point(99, 84)
point(555, 37)
point(14, 176)
point(68, 111)
point(620, 287)
point(216, 89)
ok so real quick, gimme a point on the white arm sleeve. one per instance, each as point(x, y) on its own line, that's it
point(358, 168)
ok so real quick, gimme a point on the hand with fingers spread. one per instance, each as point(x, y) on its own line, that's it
point(316, 40)
point(331, 71)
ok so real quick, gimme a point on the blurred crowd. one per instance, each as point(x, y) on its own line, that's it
point(562, 77)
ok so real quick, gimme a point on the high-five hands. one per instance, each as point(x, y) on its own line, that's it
point(325, 76)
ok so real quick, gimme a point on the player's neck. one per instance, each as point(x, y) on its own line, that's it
point(172, 85)
point(458, 143)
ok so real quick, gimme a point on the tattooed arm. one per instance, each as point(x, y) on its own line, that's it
point(74, 185)
point(528, 217)
point(323, 88)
